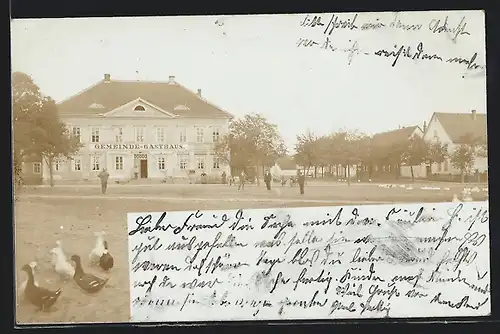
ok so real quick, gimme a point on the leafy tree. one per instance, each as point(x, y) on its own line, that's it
point(37, 128)
point(307, 151)
point(437, 152)
point(251, 140)
point(230, 151)
point(416, 153)
point(350, 149)
point(483, 150)
point(463, 158)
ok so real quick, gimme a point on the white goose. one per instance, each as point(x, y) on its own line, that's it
point(61, 264)
point(98, 250)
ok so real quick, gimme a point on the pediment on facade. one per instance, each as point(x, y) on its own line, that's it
point(139, 108)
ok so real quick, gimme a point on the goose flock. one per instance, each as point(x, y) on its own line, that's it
point(99, 257)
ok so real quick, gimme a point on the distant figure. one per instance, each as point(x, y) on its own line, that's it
point(223, 177)
point(267, 179)
point(301, 180)
point(136, 172)
point(104, 176)
point(241, 186)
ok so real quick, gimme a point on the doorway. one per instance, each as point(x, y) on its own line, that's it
point(144, 169)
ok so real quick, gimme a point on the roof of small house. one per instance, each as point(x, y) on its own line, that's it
point(394, 136)
point(107, 95)
point(460, 125)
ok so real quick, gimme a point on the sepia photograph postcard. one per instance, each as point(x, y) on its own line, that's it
point(250, 167)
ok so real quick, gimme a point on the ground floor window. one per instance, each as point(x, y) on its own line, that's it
point(57, 165)
point(200, 160)
point(183, 162)
point(161, 163)
point(77, 164)
point(119, 163)
point(96, 165)
point(216, 164)
point(37, 167)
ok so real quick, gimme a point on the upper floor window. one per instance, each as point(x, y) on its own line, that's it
point(118, 134)
point(139, 134)
point(182, 136)
point(95, 135)
point(139, 109)
point(199, 135)
point(215, 135)
point(76, 132)
point(160, 135)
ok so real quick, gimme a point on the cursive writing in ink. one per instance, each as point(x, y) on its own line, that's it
point(407, 52)
point(438, 26)
point(464, 302)
point(337, 23)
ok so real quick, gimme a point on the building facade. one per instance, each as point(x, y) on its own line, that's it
point(144, 130)
point(450, 129)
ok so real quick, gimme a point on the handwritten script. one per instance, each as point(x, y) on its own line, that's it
point(438, 37)
point(369, 261)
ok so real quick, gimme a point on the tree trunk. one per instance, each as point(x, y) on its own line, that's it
point(315, 171)
point(50, 161)
point(412, 175)
point(257, 173)
point(348, 174)
point(462, 177)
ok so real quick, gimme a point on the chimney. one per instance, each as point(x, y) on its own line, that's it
point(473, 114)
point(171, 79)
point(199, 92)
point(107, 77)
point(425, 126)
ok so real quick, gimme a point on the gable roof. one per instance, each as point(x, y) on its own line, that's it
point(113, 94)
point(459, 125)
point(394, 136)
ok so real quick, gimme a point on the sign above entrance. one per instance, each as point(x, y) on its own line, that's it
point(141, 156)
point(138, 147)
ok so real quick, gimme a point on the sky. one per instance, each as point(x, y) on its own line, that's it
point(247, 64)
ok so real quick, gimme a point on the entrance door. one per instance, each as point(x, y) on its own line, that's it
point(144, 168)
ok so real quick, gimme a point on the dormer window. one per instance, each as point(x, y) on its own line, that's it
point(139, 109)
point(181, 107)
point(96, 106)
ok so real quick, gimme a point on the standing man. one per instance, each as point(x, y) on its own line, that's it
point(241, 186)
point(267, 179)
point(104, 176)
point(301, 180)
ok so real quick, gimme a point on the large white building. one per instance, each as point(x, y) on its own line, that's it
point(141, 129)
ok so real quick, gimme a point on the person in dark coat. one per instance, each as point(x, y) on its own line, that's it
point(104, 176)
point(301, 180)
point(224, 177)
point(267, 179)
